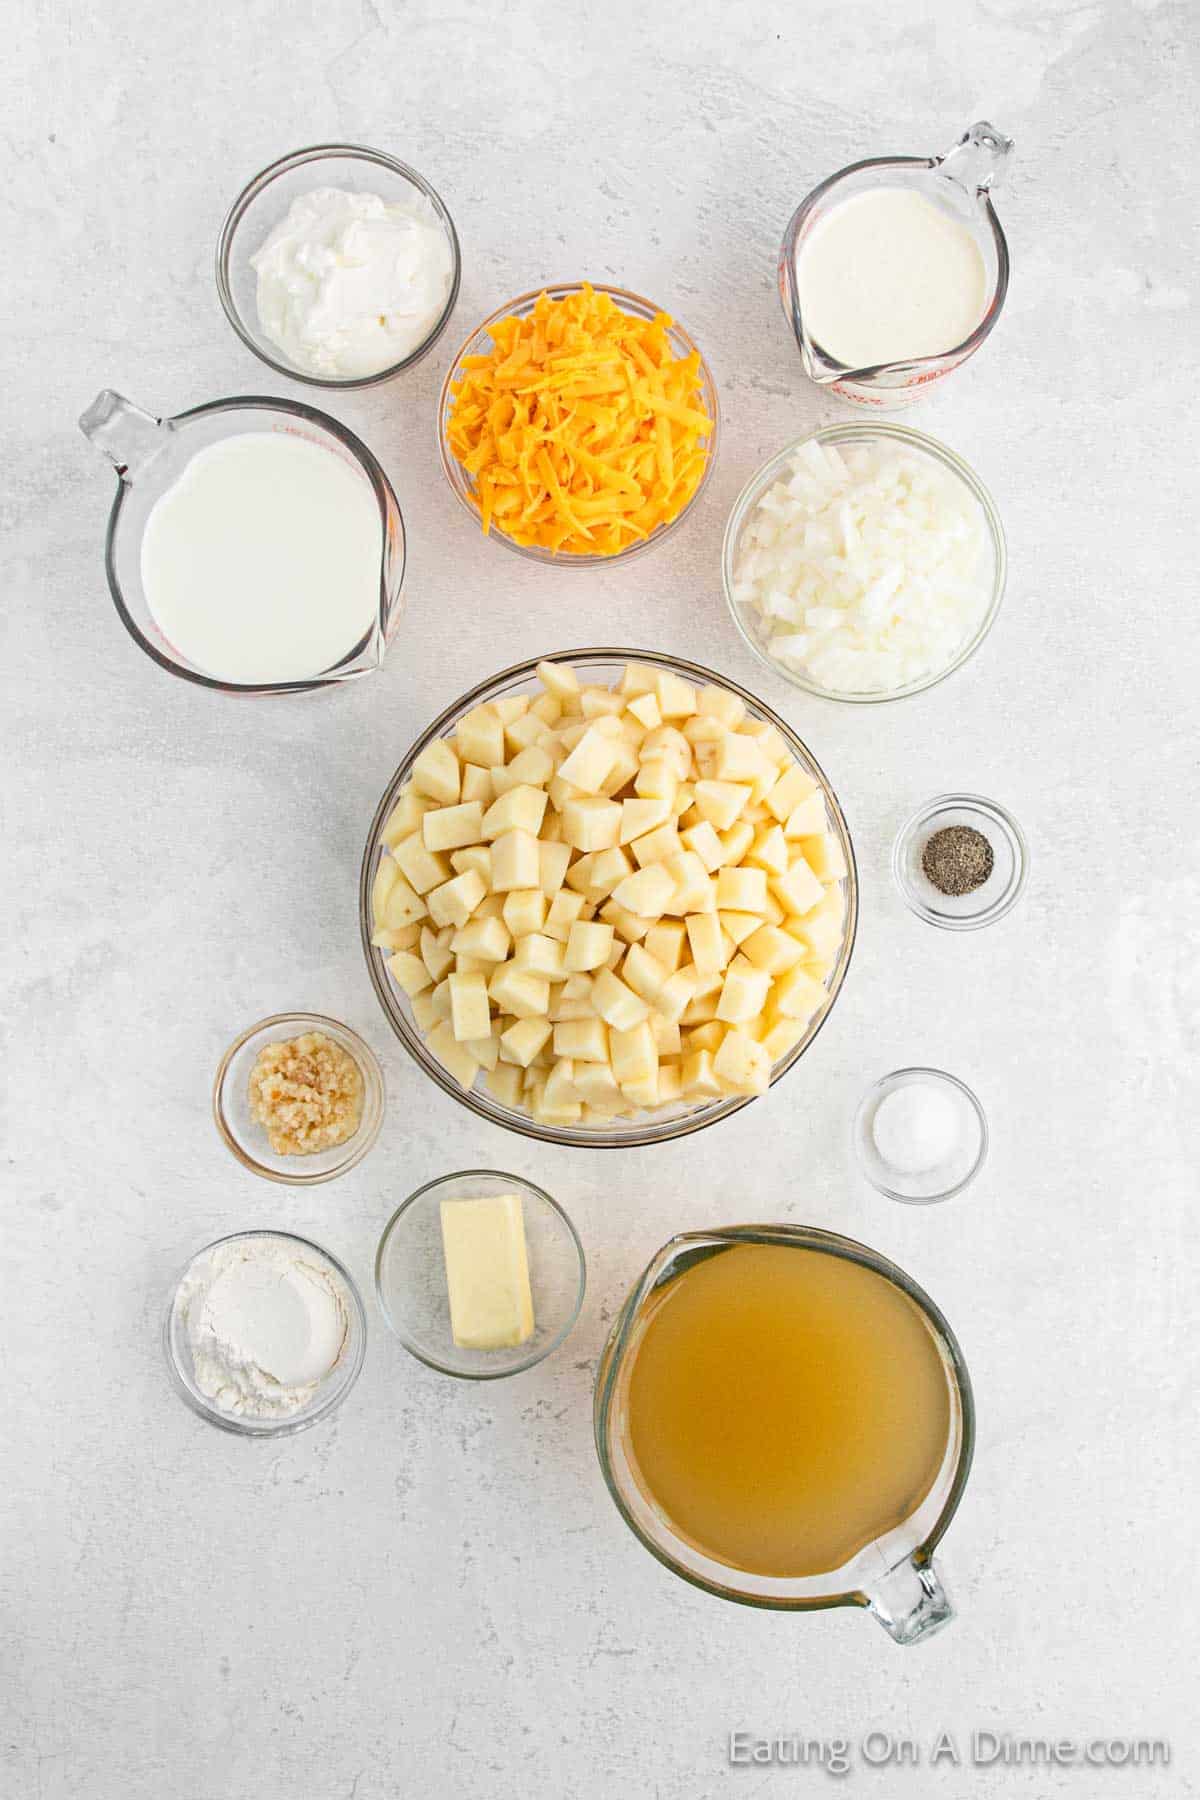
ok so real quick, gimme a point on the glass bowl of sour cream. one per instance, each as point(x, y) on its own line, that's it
point(338, 266)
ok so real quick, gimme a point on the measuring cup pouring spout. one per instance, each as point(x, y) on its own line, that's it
point(959, 182)
point(150, 453)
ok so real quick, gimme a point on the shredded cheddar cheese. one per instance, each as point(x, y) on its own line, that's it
point(580, 429)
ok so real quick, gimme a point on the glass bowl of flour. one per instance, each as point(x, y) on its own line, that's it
point(265, 1333)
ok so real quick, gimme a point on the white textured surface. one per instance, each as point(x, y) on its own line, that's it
point(473, 1617)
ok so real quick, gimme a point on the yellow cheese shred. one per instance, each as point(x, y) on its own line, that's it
point(580, 430)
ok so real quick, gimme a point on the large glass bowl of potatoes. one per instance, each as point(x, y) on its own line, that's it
point(607, 898)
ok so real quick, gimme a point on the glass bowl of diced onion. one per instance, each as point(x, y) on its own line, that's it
point(808, 548)
point(463, 484)
point(599, 667)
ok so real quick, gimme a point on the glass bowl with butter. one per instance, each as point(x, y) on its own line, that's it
point(298, 1098)
point(480, 1274)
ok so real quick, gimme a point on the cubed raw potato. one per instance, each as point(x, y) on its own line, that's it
point(520, 809)
point(422, 869)
point(718, 703)
point(475, 856)
point(670, 1083)
point(588, 946)
point(452, 827)
point(781, 1037)
point(799, 890)
point(404, 906)
point(744, 993)
point(616, 1003)
point(531, 767)
point(547, 708)
point(824, 856)
point(472, 965)
point(657, 779)
point(739, 758)
point(524, 910)
point(562, 912)
point(742, 890)
point(698, 1078)
point(820, 932)
point(436, 773)
point(742, 1064)
point(797, 995)
point(410, 972)
point(520, 992)
point(477, 784)
point(708, 1036)
point(405, 817)
point(676, 995)
point(669, 745)
point(528, 729)
point(585, 1040)
point(385, 879)
point(405, 937)
point(773, 950)
point(736, 842)
point(637, 678)
point(455, 901)
point(595, 1082)
point(624, 768)
point(437, 951)
point(665, 942)
point(648, 893)
point(452, 1055)
point(720, 802)
point(631, 1054)
point(589, 762)
point(608, 868)
point(600, 703)
point(490, 907)
point(656, 846)
point(480, 737)
point(638, 817)
point(738, 926)
point(485, 1050)
point(676, 697)
point(541, 955)
point(560, 1090)
point(643, 973)
point(522, 1041)
point(809, 819)
point(703, 729)
point(504, 1085)
point(511, 706)
point(667, 1039)
point(692, 890)
point(629, 926)
point(553, 862)
point(516, 862)
point(646, 711)
point(591, 823)
point(643, 1090)
point(703, 842)
point(794, 785)
point(769, 850)
point(709, 944)
point(470, 1014)
point(488, 940)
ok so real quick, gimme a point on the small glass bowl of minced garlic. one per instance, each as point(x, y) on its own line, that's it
point(960, 862)
point(298, 1098)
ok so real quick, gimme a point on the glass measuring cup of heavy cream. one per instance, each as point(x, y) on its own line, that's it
point(784, 1418)
point(894, 271)
point(254, 546)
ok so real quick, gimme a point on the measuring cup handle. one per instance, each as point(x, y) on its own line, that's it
point(126, 434)
point(978, 159)
point(909, 1601)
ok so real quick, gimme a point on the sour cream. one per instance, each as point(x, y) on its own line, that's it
point(349, 284)
point(888, 276)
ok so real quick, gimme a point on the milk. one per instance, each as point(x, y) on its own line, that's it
point(887, 276)
point(261, 563)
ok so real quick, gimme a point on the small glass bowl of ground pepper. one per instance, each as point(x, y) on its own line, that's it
point(960, 862)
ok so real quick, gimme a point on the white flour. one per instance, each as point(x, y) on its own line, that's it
point(265, 1323)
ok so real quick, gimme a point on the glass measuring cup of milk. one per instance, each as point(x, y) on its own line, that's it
point(894, 255)
point(259, 477)
point(798, 1434)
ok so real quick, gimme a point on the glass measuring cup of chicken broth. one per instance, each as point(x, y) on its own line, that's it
point(784, 1418)
point(255, 546)
point(894, 271)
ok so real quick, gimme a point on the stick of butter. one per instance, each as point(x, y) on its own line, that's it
point(487, 1272)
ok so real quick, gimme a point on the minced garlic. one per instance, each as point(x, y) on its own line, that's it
point(307, 1093)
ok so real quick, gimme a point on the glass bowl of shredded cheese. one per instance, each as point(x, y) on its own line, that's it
point(578, 424)
point(864, 562)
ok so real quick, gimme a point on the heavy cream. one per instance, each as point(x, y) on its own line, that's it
point(349, 284)
point(888, 276)
point(261, 563)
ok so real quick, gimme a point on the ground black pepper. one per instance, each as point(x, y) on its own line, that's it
point(957, 860)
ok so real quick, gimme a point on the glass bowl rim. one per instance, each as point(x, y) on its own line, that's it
point(523, 303)
point(999, 815)
point(957, 1187)
point(697, 1118)
point(358, 1145)
point(914, 440)
point(406, 1338)
point(288, 1425)
point(258, 184)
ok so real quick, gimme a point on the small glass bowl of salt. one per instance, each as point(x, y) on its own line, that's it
point(920, 1136)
